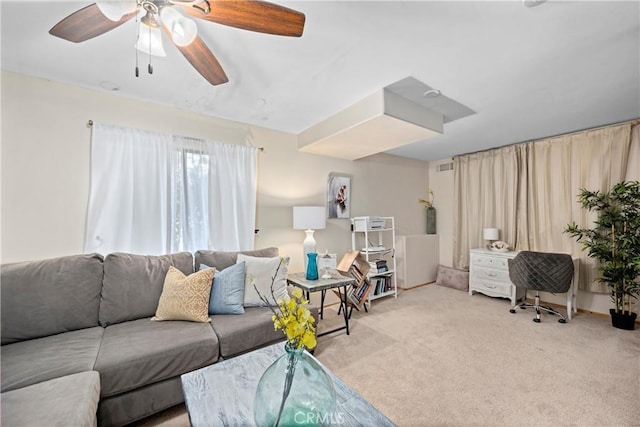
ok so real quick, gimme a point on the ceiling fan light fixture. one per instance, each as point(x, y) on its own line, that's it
point(150, 40)
point(533, 3)
point(183, 30)
point(114, 10)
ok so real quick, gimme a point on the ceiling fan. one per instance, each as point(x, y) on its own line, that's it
point(253, 15)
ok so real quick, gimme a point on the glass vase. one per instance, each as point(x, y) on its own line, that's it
point(294, 391)
point(312, 266)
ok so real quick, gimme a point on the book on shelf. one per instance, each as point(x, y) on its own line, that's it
point(377, 263)
point(355, 272)
point(378, 266)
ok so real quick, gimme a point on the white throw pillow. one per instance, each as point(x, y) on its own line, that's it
point(260, 271)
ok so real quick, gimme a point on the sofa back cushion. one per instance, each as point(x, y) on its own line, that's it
point(221, 260)
point(47, 297)
point(133, 283)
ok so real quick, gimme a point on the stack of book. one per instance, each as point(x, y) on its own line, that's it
point(358, 294)
point(378, 266)
point(355, 265)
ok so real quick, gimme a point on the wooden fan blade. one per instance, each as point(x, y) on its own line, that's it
point(86, 24)
point(253, 15)
point(199, 55)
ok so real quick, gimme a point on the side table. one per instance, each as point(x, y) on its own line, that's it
point(337, 281)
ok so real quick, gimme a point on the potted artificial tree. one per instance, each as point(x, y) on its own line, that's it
point(614, 241)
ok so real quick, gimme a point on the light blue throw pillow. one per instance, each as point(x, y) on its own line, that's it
point(227, 291)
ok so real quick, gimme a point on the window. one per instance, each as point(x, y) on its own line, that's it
point(155, 193)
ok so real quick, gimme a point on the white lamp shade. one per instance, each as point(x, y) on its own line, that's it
point(309, 217)
point(150, 41)
point(183, 30)
point(114, 10)
point(491, 234)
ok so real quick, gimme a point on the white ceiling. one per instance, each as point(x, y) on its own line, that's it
point(528, 73)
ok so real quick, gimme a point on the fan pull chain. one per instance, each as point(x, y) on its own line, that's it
point(137, 37)
point(150, 68)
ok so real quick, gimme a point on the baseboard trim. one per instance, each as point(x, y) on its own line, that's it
point(564, 307)
point(416, 286)
point(580, 310)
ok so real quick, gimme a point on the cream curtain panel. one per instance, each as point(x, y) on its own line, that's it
point(544, 178)
point(485, 192)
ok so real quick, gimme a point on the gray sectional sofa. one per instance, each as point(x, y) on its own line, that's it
point(78, 346)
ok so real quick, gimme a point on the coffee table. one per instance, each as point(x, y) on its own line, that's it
point(337, 281)
point(222, 394)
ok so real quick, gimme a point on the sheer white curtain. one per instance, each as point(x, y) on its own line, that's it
point(154, 193)
point(129, 196)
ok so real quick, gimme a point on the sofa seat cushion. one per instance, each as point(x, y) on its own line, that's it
point(238, 334)
point(71, 400)
point(142, 352)
point(29, 362)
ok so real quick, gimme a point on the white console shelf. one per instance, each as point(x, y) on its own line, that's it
point(375, 238)
point(417, 259)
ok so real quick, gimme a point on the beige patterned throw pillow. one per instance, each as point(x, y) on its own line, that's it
point(185, 297)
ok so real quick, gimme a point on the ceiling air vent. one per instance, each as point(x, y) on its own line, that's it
point(445, 167)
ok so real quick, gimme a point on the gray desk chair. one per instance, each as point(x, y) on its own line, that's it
point(541, 271)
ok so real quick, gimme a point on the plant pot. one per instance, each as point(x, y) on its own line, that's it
point(623, 320)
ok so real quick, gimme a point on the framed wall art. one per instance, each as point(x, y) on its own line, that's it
point(338, 196)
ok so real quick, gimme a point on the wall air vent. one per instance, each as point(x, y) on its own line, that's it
point(445, 167)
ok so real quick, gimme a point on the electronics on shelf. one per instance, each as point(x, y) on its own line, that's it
point(362, 223)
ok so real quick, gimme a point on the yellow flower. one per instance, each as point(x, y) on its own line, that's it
point(292, 317)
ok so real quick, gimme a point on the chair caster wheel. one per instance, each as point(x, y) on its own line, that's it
point(512, 311)
point(562, 321)
point(536, 320)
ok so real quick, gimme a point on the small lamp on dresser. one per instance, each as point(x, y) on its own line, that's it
point(491, 234)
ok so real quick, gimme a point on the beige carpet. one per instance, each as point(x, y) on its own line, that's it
point(437, 356)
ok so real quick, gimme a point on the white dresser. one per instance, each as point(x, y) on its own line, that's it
point(489, 274)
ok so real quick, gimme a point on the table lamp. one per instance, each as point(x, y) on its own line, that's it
point(309, 218)
point(491, 234)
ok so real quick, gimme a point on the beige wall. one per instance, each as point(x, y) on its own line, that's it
point(45, 171)
point(45, 175)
